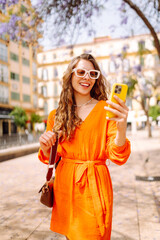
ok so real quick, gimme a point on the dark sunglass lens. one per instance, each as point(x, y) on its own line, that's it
point(80, 72)
point(94, 74)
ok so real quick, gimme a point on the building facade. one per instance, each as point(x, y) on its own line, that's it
point(18, 82)
point(108, 52)
point(18, 79)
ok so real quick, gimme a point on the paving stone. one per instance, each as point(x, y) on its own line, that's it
point(136, 210)
point(149, 230)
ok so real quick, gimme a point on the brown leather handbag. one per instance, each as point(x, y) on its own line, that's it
point(47, 193)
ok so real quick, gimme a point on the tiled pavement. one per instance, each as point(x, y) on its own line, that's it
point(136, 214)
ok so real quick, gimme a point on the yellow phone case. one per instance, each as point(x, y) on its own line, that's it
point(121, 91)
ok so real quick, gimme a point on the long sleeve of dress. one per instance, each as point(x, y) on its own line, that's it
point(50, 124)
point(117, 154)
point(82, 179)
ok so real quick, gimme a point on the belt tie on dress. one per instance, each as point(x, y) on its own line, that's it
point(90, 165)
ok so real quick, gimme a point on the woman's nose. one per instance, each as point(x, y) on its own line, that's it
point(87, 76)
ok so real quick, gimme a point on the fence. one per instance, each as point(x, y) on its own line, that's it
point(18, 140)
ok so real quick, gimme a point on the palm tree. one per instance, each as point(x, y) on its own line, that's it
point(20, 117)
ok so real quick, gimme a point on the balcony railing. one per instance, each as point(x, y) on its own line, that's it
point(18, 140)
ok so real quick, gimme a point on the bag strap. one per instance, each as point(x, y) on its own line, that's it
point(52, 158)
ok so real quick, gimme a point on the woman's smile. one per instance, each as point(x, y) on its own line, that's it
point(85, 84)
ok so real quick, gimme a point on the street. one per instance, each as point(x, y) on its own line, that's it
point(136, 212)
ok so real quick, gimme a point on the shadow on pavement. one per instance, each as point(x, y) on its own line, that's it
point(120, 236)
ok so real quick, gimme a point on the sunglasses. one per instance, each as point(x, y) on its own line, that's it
point(80, 72)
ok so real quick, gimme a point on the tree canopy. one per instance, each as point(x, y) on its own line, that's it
point(20, 117)
point(69, 18)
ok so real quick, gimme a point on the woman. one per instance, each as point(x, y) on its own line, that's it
point(82, 208)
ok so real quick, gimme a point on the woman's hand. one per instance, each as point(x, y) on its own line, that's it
point(121, 112)
point(47, 139)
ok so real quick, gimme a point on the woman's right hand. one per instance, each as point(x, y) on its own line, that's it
point(47, 139)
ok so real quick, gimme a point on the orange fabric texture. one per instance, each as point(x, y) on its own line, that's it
point(83, 200)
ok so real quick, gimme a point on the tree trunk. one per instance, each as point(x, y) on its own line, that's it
point(147, 23)
point(149, 127)
point(145, 109)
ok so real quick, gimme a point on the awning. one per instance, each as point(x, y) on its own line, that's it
point(6, 117)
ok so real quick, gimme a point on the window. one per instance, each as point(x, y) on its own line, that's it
point(14, 57)
point(3, 73)
point(158, 78)
point(25, 61)
point(141, 45)
point(45, 108)
point(15, 96)
point(26, 79)
point(26, 98)
point(142, 62)
point(14, 76)
point(45, 74)
point(35, 101)
point(112, 67)
point(15, 87)
point(55, 90)
point(34, 85)
point(44, 91)
point(55, 103)
point(44, 58)
point(3, 52)
point(55, 72)
point(125, 65)
point(4, 94)
point(34, 69)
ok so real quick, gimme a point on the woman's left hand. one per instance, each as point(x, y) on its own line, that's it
point(121, 112)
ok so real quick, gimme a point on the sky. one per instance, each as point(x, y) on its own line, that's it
point(102, 25)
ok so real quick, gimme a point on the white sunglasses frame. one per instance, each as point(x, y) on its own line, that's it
point(87, 71)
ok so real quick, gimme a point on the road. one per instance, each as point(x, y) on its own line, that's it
point(136, 213)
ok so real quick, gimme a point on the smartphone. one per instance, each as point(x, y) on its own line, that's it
point(121, 91)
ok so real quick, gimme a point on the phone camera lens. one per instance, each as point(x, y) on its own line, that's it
point(119, 89)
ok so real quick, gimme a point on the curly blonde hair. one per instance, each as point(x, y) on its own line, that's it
point(66, 118)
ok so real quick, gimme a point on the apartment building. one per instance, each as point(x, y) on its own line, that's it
point(52, 64)
point(18, 82)
point(18, 78)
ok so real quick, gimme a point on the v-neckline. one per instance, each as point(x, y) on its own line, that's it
point(83, 121)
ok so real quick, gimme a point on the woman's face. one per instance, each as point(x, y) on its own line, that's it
point(83, 85)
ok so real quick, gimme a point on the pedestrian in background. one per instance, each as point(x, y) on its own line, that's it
point(83, 196)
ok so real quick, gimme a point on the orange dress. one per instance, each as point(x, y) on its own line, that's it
point(83, 200)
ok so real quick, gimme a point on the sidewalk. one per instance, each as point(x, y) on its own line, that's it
point(18, 151)
point(136, 213)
